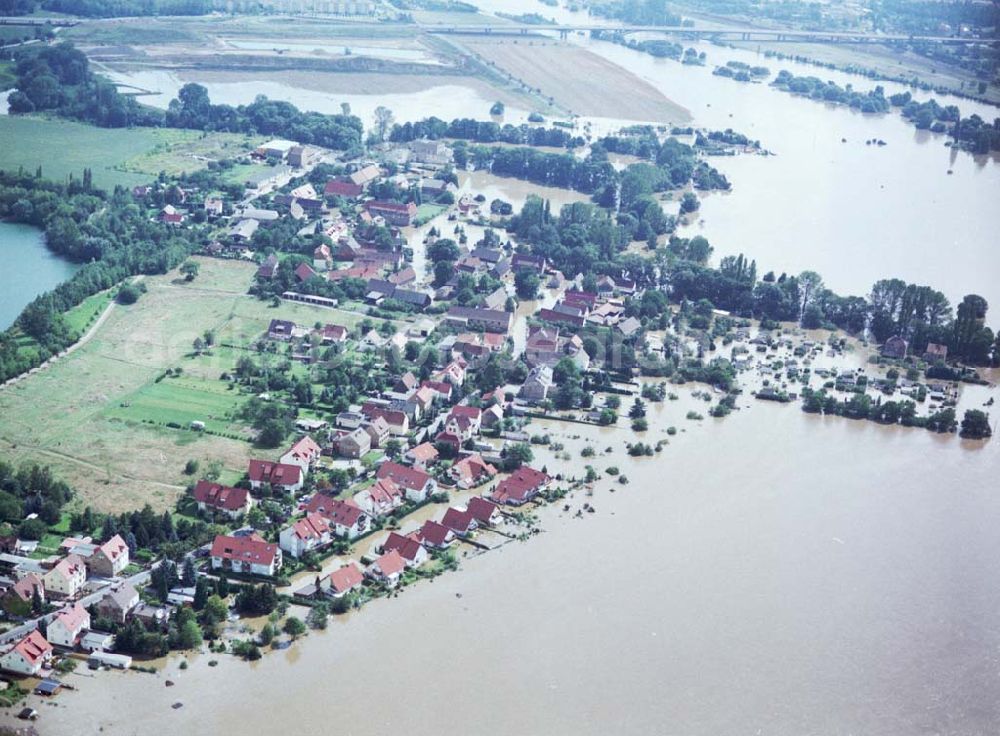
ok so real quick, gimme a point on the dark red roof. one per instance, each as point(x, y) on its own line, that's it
point(458, 521)
point(304, 272)
point(434, 533)
point(344, 513)
point(407, 547)
point(481, 509)
point(220, 496)
point(342, 188)
point(251, 549)
point(520, 485)
point(277, 474)
point(410, 478)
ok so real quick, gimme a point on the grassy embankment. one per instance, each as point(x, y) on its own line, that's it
point(100, 416)
point(123, 157)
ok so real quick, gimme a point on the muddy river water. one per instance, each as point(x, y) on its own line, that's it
point(772, 573)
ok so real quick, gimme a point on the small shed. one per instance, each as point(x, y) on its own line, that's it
point(107, 659)
point(48, 686)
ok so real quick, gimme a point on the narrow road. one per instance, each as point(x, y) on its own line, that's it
point(137, 580)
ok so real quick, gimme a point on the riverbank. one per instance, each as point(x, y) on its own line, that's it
point(749, 571)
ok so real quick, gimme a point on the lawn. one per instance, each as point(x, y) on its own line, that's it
point(426, 213)
point(177, 402)
point(88, 415)
point(114, 155)
point(80, 317)
point(182, 151)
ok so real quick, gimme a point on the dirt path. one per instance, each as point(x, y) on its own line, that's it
point(87, 336)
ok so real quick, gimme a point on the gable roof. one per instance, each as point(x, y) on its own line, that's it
point(408, 547)
point(341, 512)
point(346, 578)
point(121, 596)
point(305, 448)
point(113, 548)
point(435, 533)
point(481, 509)
point(424, 452)
point(521, 484)
point(33, 647)
point(73, 618)
point(220, 496)
point(391, 563)
point(265, 471)
point(410, 478)
point(458, 520)
point(25, 587)
point(70, 565)
point(251, 549)
point(312, 526)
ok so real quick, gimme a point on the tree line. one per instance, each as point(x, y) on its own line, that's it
point(58, 79)
point(484, 131)
point(586, 239)
point(111, 234)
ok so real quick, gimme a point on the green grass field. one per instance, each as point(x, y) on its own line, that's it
point(116, 156)
point(80, 317)
point(98, 416)
point(181, 401)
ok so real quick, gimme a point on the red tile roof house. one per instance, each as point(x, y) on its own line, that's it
point(28, 656)
point(278, 475)
point(387, 569)
point(436, 535)
point(250, 554)
point(171, 216)
point(348, 519)
point(341, 582)
point(485, 512)
point(421, 456)
point(304, 272)
point(410, 549)
point(441, 388)
point(398, 215)
point(450, 440)
point(230, 501)
point(460, 522)
point(453, 373)
point(471, 471)
point(305, 535)
point(64, 630)
point(416, 483)
point(381, 498)
point(520, 487)
point(399, 423)
point(464, 421)
point(66, 578)
point(333, 333)
point(109, 559)
point(17, 598)
point(305, 453)
point(342, 188)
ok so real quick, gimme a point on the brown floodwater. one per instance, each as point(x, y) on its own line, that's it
point(770, 573)
point(774, 573)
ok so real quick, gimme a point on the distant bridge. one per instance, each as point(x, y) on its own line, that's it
point(694, 33)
